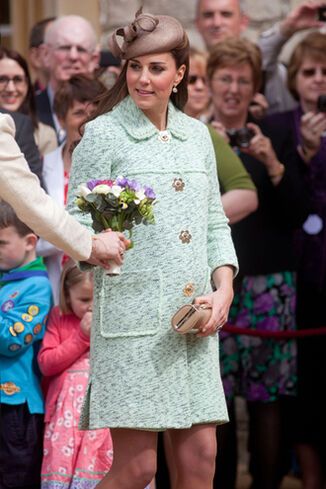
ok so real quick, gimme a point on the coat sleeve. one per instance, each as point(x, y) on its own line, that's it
point(56, 355)
point(22, 320)
point(21, 189)
point(219, 242)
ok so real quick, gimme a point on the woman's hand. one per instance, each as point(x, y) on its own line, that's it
point(86, 323)
point(258, 106)
point(220, 300)
point(220, 129)
point(312, 126)
point(261, 148)
point(108, 245)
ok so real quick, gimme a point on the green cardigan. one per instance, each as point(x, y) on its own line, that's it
point(231, 172)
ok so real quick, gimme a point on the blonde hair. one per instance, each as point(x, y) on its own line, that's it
point(70, 276)
point(198, 57)
point(234, 52)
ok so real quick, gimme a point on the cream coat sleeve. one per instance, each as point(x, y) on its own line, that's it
point(21, 189)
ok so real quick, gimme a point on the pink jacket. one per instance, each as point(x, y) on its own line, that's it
point(63, 343)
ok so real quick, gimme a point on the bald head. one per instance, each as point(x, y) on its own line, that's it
point(218, 19)
point(70, 48)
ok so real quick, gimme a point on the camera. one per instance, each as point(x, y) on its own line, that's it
point(240, 137)
point(321, 103)
point(322, 14)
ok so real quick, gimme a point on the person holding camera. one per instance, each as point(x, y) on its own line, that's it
point(307, 83)
point(262, 370)
point(310, 14)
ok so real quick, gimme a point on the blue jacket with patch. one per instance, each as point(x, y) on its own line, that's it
point(25, 301)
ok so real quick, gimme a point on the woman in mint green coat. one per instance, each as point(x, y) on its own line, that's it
point(145, 377)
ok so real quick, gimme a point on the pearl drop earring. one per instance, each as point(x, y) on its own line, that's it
point(174, 89)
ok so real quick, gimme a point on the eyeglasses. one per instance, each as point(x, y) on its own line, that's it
point(66, 48)
point(18, 80)
point(227, 81)
point(310, 72)
point(192, 79)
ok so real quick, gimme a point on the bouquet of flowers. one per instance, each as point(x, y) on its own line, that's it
point(118, 204)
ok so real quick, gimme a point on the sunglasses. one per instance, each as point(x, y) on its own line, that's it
point(194, 78)
point(310, 72)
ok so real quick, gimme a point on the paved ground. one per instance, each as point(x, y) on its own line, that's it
point(243, 481)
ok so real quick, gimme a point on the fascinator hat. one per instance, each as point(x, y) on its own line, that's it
point(147, 34)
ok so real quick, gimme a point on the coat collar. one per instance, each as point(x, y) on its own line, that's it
point(139, 127)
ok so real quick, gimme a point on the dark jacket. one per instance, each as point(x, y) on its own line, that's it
point(26, 142)
point(264, 240)
point(43, 108)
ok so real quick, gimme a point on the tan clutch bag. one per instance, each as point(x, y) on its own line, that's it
point(190, 317)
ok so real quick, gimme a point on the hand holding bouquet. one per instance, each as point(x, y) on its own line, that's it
point(117, 204)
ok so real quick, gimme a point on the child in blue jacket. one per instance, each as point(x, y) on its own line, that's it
point(25, 300)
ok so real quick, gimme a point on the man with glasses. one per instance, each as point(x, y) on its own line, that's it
point(70, 48)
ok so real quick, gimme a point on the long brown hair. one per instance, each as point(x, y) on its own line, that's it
point(28, 106)
point(119, 91)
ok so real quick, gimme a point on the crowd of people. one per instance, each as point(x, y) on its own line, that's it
point(96, 388)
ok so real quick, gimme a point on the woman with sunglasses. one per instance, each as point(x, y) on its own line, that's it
point(17, 95)
point(307, 83)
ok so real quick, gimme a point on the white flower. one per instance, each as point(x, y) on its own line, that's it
point(83, 190)
point(140, 194)
point(101, 189)
point(55, 436)
point(67, 451)
point(68, 414)
point(116, 190)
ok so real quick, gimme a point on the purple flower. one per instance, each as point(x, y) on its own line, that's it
point(270, 323)
point(122, 182)
point(263, 303)
point(91, 184)
point(149, 192)
point(133, 185)
point(257, 393)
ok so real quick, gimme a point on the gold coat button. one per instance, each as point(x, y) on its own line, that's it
point(189, 289)
point(185, 237)
point(178, 184)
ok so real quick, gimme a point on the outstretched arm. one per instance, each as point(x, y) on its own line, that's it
point(21, 189)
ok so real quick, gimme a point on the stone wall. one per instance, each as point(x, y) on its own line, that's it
point(262, 14)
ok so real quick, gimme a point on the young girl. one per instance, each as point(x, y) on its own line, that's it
point(71, 457)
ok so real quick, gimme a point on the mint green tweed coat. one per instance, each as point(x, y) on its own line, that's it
point(143, 374)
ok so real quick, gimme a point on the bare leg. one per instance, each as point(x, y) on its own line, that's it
point(134, 460)
point(311, 467)
point(194, 452)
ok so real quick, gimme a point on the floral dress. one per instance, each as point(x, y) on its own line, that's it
point(73, 458)
point(261, 369)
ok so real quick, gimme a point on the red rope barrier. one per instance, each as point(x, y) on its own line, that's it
point(277, 335)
